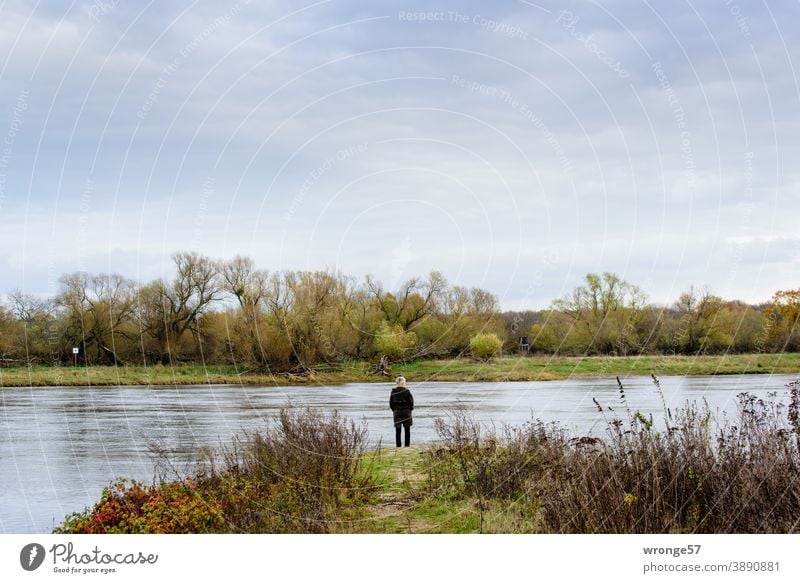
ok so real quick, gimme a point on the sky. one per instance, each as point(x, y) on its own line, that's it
point(512, 145)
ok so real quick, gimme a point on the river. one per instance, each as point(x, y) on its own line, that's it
point(61, 445)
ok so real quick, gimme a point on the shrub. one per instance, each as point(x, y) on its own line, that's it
point(471, 461)
point(740, 477)
point(485, 345)
point(291, 477)
point(393, 341)
point(133, 507)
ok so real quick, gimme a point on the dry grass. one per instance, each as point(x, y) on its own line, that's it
point(299, 475)
point(693, 476)
point(300, 472)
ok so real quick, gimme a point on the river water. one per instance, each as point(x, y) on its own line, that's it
point(59, 446)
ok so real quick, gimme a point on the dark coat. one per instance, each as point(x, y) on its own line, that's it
point(401, 402)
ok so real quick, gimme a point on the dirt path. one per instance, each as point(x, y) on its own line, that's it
point(403, 480)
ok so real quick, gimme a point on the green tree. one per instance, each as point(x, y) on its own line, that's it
point(607, 309)
point(704, 326)
point(393, 341)
point(9, 337)
point(781, 331)
point(33, 335)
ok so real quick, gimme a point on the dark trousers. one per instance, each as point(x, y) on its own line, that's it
point(397, 434)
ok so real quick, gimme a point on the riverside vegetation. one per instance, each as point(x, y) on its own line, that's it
point(309, 472)
point(231, 319)
point(499, 369)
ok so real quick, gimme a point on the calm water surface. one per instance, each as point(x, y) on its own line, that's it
point(59, 446)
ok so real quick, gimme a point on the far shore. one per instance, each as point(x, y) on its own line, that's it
point(506, 368)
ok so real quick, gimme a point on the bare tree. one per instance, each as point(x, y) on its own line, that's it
point(249, 285)
point(416, 299)
point(170, 309)
point(316, 314)
point(30, 309)
point(97, 310)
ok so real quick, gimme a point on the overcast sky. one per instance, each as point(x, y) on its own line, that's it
point(514, 146)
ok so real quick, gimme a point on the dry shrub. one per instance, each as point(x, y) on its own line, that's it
point(471, 460)
point(301, 469)
point(292, 477)
point(695, 476)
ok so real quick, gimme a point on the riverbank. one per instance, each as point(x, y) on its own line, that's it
point(509, 368)
point(312, 473)
point(406, 503)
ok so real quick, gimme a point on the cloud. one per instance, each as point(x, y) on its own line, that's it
point(471, 139)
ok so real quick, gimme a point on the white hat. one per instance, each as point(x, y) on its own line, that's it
point(401, 381)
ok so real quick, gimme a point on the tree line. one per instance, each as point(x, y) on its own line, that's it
point(607, 315)
point(226, 312)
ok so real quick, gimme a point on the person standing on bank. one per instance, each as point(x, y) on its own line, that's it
point(401, 402)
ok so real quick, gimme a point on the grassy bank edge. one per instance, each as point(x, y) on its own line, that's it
point(527, 368)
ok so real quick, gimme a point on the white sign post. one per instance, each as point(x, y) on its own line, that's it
point(75, 351)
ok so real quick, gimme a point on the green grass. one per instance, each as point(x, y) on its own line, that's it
point(509, 368)
point(550, 368)
point(179, 374)
point(403, 504)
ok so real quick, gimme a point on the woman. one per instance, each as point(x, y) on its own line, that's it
point(401, 402)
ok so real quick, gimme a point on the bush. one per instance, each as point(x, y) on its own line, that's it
point(393, 341)
point(292, 477)
point(132, 507)
point(484, 346)
point(470, 461)
point(742, 477)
